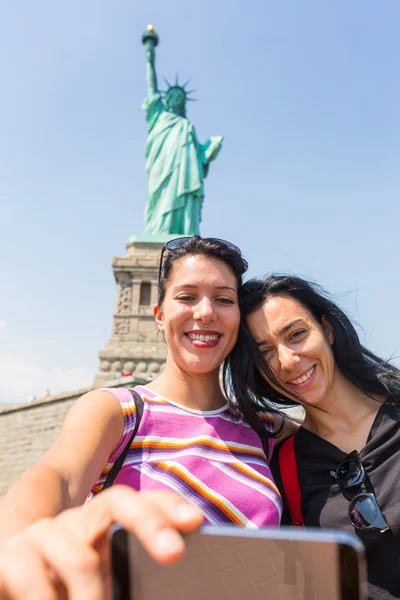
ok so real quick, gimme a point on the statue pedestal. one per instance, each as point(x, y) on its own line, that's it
point(135, 345)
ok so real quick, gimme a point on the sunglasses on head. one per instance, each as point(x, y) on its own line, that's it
point(364, 511)
point(177, 242)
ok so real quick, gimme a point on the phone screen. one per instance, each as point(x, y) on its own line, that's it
point(237, 567)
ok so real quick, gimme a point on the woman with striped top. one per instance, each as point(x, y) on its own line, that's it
point(190, 439)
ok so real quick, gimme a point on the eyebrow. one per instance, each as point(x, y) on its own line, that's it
point(193, 286)
point(284, 329)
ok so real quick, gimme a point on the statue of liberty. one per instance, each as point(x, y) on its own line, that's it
point(176, 163)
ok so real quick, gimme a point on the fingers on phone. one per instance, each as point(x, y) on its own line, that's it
point(154, 517)
point(62, 557)
point(186, 516)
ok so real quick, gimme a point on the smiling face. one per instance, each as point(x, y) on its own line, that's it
point(200, 314)
point(296, 347)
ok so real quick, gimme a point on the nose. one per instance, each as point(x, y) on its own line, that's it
point(204, 310)
point(287, 358)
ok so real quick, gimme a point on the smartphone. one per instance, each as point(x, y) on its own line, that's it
point(231, 563)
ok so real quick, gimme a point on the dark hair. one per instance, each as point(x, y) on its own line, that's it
point(210, 247)
point(243, 367)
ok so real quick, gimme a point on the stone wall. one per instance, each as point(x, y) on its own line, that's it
point(28, 430)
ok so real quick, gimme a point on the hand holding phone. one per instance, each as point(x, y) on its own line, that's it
point(68, 555)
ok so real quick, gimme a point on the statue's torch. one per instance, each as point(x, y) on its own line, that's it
point(150, 36)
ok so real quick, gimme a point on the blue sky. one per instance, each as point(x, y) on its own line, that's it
point(306, 95)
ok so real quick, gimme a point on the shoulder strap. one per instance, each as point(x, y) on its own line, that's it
point(290, 480)
point(117, 466)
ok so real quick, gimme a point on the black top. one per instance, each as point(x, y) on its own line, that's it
point(323, 505)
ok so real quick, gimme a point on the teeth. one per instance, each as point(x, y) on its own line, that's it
point(303, 378)
point(202, 338)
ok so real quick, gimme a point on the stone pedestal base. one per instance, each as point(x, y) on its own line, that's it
point(135, 346)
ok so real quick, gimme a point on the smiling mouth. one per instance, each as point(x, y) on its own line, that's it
point(303, 378)
point(210, 337)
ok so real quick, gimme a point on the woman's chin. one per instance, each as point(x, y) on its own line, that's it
point(311, 399)
point(199, 367)
point(305, 397)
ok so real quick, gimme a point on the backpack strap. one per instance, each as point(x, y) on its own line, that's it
point(290, 481)
point(117, 466)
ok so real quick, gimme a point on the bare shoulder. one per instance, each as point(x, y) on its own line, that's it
point(96, 415)
point(91, 431)
point(97, 405)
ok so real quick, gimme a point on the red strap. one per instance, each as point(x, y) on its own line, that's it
point(290, 480)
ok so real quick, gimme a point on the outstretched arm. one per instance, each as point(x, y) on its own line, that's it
point(62, 479)
point(151, 76)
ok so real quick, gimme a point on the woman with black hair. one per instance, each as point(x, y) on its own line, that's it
point(342, 467)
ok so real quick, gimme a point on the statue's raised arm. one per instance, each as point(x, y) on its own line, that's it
point(150, 41)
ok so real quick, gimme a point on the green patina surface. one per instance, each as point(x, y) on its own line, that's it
point(176, 162)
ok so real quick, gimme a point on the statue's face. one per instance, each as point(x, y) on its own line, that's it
point(176, 100)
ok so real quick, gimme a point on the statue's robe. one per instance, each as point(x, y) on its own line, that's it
point(176, 165)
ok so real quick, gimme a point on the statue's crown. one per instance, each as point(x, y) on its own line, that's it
point(178, 86)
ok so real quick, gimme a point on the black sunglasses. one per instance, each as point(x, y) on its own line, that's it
point(364, 511)
point(177, 242)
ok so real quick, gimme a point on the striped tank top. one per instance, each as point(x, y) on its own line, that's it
point(212, 458)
